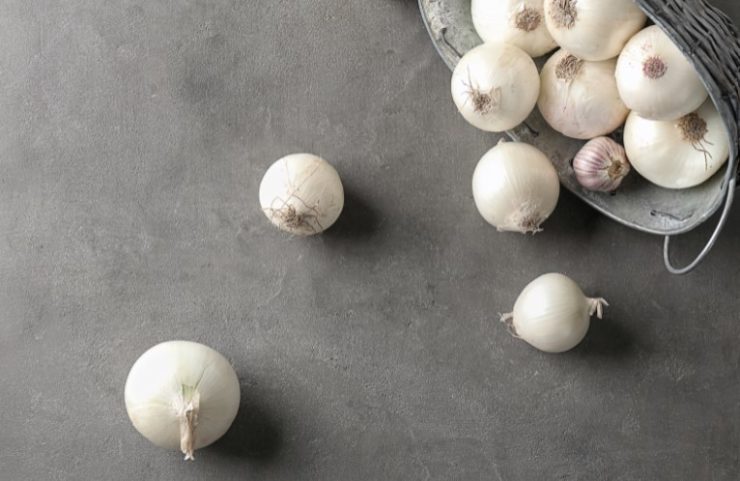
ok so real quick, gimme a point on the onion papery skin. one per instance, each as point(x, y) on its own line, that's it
point(593, 30)
point(516, 22)
point(661, 152)
point(581, 102)
point(553, 314)
point(302, 194)
point(655, 79)
point(495, 86)
point(165, 378)
point(515, 187)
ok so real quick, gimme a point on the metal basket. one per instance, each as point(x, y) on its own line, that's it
point(709, 39)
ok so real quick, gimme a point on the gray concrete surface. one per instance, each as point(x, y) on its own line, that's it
point(134, 136)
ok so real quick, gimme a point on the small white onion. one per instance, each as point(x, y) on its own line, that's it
point(655, 79)
point(182, 395)
point(302, 194)
point(593, 29)
point(552, 313)
point(579, 99)
point(515, 187)
point(516, 22)
point(678, 154)
point(495, 86)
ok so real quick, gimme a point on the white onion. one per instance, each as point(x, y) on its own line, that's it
point(182, 395)
point(656, 80)
point(579, 98)
point(515, 187)
point(593, 29)
point(678, 154)
point(552, 313)
point(495, 86)
point(516, 22)
point(302, 194)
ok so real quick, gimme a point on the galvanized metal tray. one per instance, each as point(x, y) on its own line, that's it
point(710, 41)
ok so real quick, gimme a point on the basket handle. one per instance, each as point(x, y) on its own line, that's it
point(721, 64)
point(731, 185)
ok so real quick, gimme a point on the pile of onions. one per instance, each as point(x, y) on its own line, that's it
point(515, 187)
point(182, 395)
point(656, 80)
point(552, 314)
point(579, 98)
point(516, 22)
point(593, 29)
point(681, 153)
point(302, 194)
point(495, 86)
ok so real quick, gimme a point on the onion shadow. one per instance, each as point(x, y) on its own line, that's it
point(572, 219)
point(358, 221)
point(256, 434)
point(607, 338)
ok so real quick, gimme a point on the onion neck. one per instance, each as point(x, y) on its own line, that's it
point(596, 306)
point(188, 417)
point(508, 319)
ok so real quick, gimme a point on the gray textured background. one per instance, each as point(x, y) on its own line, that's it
point(133, 138)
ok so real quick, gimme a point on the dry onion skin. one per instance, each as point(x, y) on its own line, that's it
point(495, 86)
point(656, 80)
point(580, 99)
point(182, 395)
point(552, 314)
point(678, 154)
point(302, 194)
point(516, 22)
point(593, 29)
point(515, 187)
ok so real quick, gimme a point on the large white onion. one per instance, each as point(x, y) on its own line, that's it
point(579, 98)
point(517, 22)
point(495, 86)
point(593, 29)
point(302, 194)
point(552, 313)
point(182, 395)
point(515, 187)
point(678, 154)
point(655, 79)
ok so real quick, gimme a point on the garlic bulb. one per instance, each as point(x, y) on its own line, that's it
point(516, 22)
point(182, 395)
point(593, 29)
point(495, 86)
point(302, 194)
point(656, 80)
point(580, 99)
point(601, 165)
point(678, 154)
point(515, 187)
point(552, 314)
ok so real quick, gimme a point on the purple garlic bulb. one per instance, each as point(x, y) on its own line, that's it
point(601, 165)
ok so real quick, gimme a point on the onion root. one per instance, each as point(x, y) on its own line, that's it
point(564, 13)
point(528, 19)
